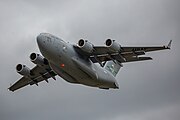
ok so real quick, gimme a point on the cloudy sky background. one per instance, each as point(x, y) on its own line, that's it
point(148, 90)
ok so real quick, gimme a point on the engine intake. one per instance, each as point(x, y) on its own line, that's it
point(85, 46)
point(23, 70)
point(38, 59)
point(112, 45)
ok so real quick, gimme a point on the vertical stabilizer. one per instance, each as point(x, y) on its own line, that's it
point(113, 67)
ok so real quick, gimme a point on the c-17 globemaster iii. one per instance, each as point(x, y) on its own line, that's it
point(77, 63)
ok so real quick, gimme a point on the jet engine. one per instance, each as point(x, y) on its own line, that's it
point(38, 59)
point(112, 45)
point(85, 46)
point(23, 70)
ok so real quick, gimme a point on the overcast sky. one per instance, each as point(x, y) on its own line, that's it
point(148, 90)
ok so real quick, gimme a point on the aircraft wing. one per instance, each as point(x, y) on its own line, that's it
point(38, 74)
point(126, 54)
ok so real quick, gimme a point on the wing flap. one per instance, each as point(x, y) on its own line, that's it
point(133, 59)
point(146, 49)
point(42, 77)
point(119, 58)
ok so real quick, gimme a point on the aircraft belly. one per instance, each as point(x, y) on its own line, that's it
point(63, 74)
point(106, 79)
point(73, 74)
point(86, 73)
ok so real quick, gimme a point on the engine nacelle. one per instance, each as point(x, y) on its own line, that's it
point(23, 70)
point(85, 46)
point(113, 46)
point(38, 59)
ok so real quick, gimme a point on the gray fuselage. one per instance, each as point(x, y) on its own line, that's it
point(72, 66)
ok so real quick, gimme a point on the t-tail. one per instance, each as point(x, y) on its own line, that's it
point(113, 67)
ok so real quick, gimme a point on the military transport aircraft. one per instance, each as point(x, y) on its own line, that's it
point(77, 63)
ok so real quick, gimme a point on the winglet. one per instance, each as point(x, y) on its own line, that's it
point(169, 44)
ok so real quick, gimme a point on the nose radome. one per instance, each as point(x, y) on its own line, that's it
point(41, 42)
point(39, 39)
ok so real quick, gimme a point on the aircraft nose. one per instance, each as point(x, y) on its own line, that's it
point(44, 44)
point(40, 39)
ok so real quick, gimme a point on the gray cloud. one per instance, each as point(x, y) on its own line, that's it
point(148, 90)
